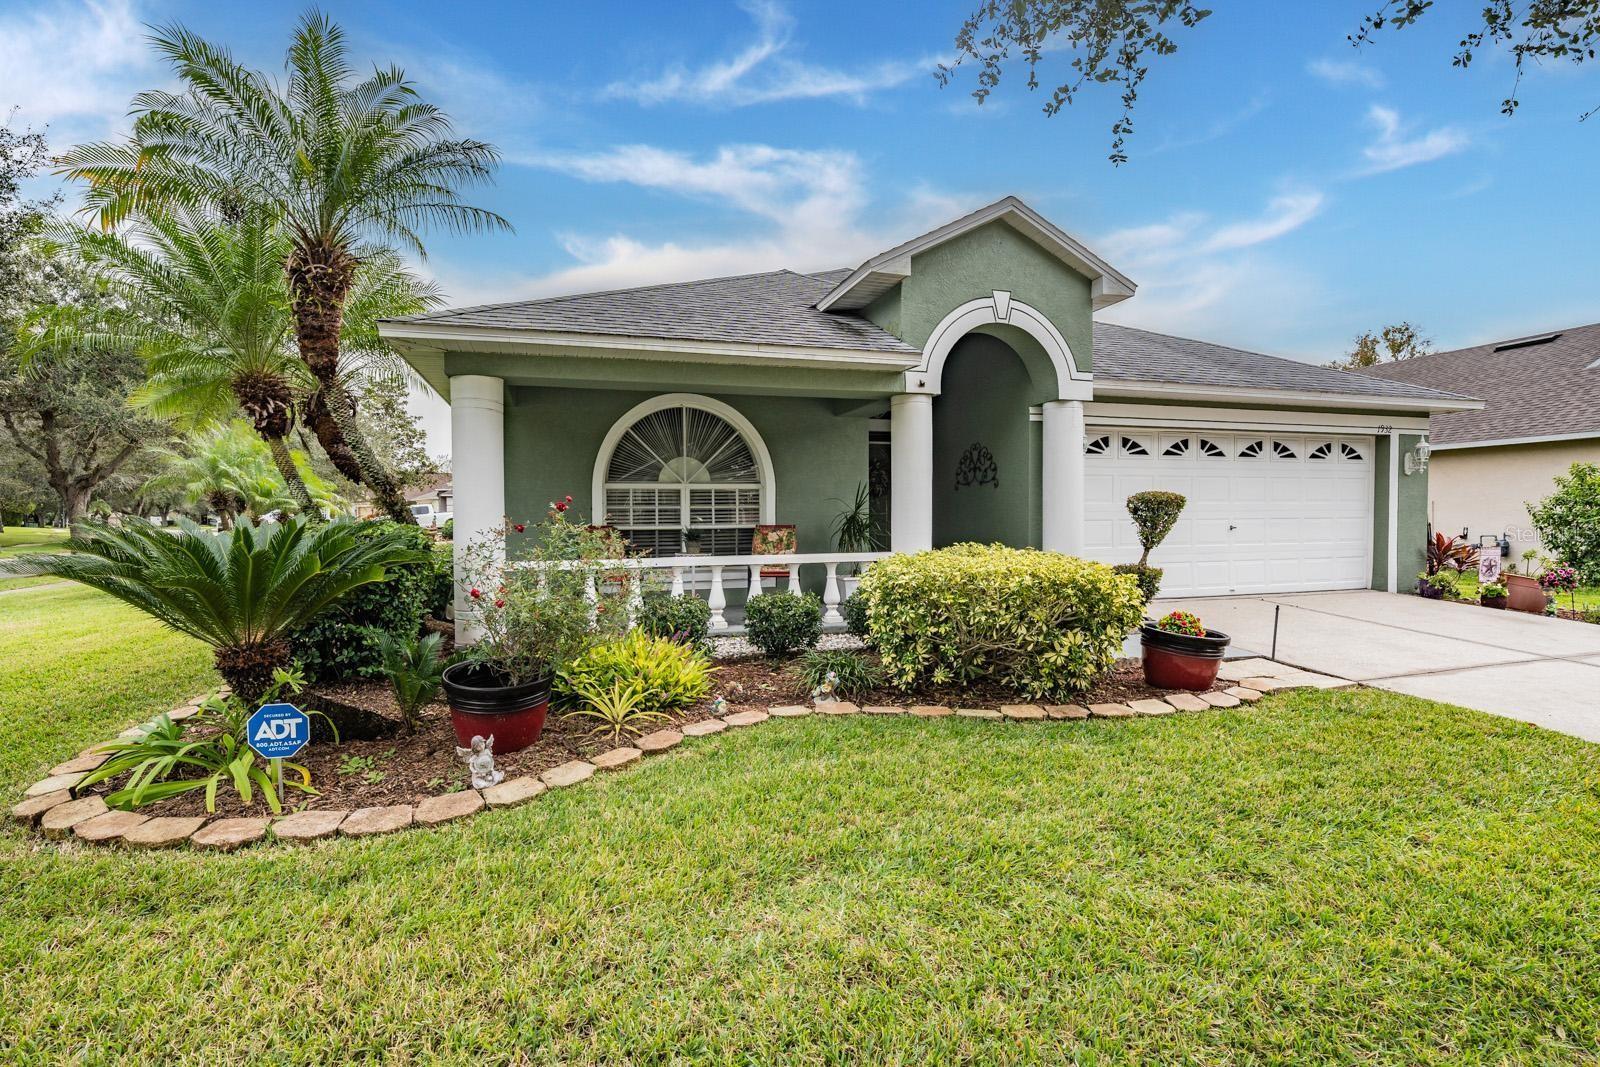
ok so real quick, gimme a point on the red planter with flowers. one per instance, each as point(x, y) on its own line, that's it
point(1180, 653)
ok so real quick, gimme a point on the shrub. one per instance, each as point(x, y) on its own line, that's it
point(1446, 551)
point(854, 672)
point(684, 619)
point(615, 711)
point(444, 582)
point(1492, 591)
point(854, 610)
point(414, 668)
point(344, 641)
point(448, 530)
point(780, 623)
point(1569, 520)
point(1182, 622)
point(1149, 578)
point(1590, 615)
point(666, 673)
point(1154, 513)
point(1045, 624)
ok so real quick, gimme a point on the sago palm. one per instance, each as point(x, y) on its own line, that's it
point(343, 161)
point(242, 591)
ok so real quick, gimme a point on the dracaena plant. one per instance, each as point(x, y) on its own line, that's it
point(1446, 551)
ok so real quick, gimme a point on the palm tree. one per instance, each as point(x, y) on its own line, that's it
point(341, 162)
point(229, 470)
point(207, 303)
point(242, 591)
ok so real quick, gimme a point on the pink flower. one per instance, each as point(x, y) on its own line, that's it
point(569, 498)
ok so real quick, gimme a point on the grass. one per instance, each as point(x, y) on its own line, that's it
point(1587, 596)
point(21, 540)
point(1346, 877)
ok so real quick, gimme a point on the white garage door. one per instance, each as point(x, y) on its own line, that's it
point(1267, 513)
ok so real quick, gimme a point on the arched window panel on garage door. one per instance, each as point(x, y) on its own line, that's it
point(1132, 445)
point(1097, 446)
point(1213, 449)
point(1351, 452)
point(1322, 450)
point(1174, 447)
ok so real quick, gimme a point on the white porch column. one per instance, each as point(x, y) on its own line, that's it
point(478, 466)
point(1062, 477)
point(911, 472)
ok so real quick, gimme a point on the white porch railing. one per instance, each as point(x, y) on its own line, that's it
point(682, 572)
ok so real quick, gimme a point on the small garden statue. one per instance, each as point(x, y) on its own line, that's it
point(480, 761)
point(719, 707)
point(825, 693)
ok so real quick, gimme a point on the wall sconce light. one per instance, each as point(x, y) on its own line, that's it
point(1417, 458)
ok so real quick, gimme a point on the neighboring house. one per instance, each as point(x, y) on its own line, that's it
point(1541, 415)
point(436, 495)
point(961, 374)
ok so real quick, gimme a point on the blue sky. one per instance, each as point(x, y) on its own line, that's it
point(1284, 192)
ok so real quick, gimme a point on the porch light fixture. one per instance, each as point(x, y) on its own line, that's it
point(1417, 458)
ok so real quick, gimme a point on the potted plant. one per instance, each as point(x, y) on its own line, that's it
point(1561, 578)
point(534, 614)
point(1493, 595)
point(1435, 586)
point(855, 531)
point(1180, 653)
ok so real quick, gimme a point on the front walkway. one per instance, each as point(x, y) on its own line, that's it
point(1540, 670)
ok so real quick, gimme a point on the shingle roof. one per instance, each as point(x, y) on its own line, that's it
point(772, 308)
point(1530, 389)
point(1122, 353)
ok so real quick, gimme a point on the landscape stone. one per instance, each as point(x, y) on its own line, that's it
point(1186, 702)
point(617, 758)
point(225, 835)
point(1151, 707)
point(110, 826)
point(443, 808)
point(1022, 711)
point(839, 707)
point(516, 791)
point(308, 825)
point(1066, 711)
point(979, 713)
point(659, 741)
point(80, 764)
point(180, 714)
point(789, 711)
point(55, 782)
point(1262, 685)
point(384, 819)
point(1250, 696)
point(59, 820)
point(746, 718)
point(570, 773)
point(29, 810)
point(932, 711)
point(1220, 700)
point(1111, 711)
point(883, 709)
point(704, 727)
point(164, 831)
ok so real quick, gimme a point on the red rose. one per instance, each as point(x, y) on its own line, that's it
point(569, 498)
point(499, 603)
point(519, 527)
point(561, 507)
point(475, 593)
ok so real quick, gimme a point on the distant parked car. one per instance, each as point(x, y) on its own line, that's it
point(428, 518)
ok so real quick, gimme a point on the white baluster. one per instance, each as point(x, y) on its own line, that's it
point(677, 581)
point(830, 598)
point(591, 596)
point(791, 578)
point(716, 600)
point(635, 579)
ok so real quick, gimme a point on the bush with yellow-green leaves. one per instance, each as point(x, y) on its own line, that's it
point(1045, 624)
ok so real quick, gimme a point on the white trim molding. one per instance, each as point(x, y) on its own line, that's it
point(994, 310)
point(1545, 439)
point(1200, 417)
point(1136, 390)
point(758, 448)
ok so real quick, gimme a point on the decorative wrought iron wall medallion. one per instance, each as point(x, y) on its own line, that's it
point(977, 467)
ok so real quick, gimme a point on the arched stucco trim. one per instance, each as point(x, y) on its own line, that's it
point(758, 447)
point(999, 309)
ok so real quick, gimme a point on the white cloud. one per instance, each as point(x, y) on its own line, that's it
point(1214, 279)
point(763, 72)
point(1394, 148)
point(1345, 72)
point(74, 66)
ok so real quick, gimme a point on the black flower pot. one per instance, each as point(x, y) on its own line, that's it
point(484, 703)
point(1181, 661)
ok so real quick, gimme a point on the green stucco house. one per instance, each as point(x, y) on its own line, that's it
point(962, 379)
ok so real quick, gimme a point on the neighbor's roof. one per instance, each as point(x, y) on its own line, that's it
point(1541, 386)
point(776, 308)
point(1125, 354)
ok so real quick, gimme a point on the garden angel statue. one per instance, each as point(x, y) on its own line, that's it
point(824, 693)
point(480, 761)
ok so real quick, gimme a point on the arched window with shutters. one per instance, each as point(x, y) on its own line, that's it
point(680, 466)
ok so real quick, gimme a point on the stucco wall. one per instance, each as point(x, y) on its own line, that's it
point(1413, 511)
point(554, 435)
point(985, 401)
point(1485, 490)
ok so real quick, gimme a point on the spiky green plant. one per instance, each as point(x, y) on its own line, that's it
point(242, 591)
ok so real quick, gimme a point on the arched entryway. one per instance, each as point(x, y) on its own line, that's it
point(985, 473)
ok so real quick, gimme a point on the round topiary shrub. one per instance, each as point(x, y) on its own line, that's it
point(1149, 578)
point(1154, 514)
point(854, 610)
point(781, 623)
point(684, 619)
point(1045, 624)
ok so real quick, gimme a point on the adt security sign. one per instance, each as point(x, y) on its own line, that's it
point(278, 731)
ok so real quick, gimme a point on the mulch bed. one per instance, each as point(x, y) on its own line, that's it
point(404, 769)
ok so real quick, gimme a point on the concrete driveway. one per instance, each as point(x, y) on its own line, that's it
point(1540, 670)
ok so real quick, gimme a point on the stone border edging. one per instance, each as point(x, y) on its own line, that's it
point(52, 807)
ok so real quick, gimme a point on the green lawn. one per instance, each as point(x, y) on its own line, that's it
point(1588, 596)
point(1351, 877)
point(21, 540)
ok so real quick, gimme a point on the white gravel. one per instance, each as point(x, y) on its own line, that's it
point(738, 647)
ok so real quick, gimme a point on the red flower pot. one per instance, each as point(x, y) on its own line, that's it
point(1181, 661)
point(482, 704)
point(1524, 593)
